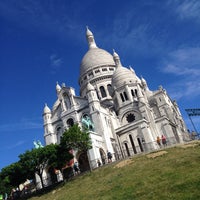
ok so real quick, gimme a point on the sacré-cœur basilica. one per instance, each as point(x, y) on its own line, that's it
point(122, 114)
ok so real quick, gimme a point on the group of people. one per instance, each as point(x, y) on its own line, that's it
point(162, 139)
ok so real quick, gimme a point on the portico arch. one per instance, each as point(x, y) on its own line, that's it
point(83, 162)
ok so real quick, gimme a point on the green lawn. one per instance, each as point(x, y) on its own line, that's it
point(174, 175)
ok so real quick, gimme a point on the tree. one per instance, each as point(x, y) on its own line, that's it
point(52, 156)
point(74, 138)
point(36, 160)
point(11, 176)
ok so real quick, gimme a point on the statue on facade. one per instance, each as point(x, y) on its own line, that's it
point(37, 144)
point(87, 123)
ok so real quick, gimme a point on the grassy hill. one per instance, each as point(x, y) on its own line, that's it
point(171, 173)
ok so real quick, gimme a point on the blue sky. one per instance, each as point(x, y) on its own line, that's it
point(42, 42)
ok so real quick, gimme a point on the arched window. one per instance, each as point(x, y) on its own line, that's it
point(97, 94)
point(59, 134)
point(103, 92)
point(109, 87)
point(122, 97)
point(136, 93)
point(125, 96)
point(132, 92)
point(70, 122)
point(58, 130)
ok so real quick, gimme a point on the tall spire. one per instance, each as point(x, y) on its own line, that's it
point(90, 39)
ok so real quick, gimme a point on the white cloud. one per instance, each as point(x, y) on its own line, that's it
point(19, 143)
point(184, 62)
point(184, 88)
point(177, 70)
point(55, 63)
point(55, 60)
point(188, 9)
point(41, 16)
point(184, 65)
point(23, 124)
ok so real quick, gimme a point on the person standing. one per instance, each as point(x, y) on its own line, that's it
point(158, 141)
point(164, 142)
point(109, 155)
point(76, 168)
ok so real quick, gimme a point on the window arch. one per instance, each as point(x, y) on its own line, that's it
point(58, 133)
point(70, 122)
point(132, 92)
point(103, 92)
point(58, 129)
point(122, 97)
point(136, 93)
point(125, 96)
point(133, 145)
point(109, 87)
point(127, 149)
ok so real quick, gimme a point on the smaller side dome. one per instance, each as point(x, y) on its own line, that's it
point(122, 75)
point(46, 109)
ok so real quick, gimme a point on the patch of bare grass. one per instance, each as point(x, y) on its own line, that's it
point(156, 154)
point(123, 163)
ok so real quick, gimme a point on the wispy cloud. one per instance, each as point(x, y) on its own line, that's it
point(177, 70)
point(187, 9)
point(184, 63)
point(55, 63)
point(19, 143)
point(23, 124)
point(41, 16)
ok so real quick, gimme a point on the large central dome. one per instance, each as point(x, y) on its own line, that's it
point(95, 57)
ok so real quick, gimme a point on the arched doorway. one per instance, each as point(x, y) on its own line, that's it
point(103, 156)
point(83, 162)
point(140, 144)
point(127, 150)
point(133, 145)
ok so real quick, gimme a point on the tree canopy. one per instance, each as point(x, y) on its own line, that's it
point(36, 160)
point(51, 156)
point(75, 138)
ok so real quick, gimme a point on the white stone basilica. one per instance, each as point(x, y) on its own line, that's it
point(123, 115)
